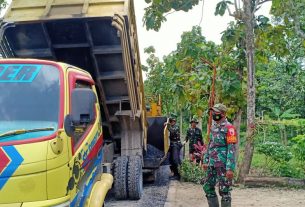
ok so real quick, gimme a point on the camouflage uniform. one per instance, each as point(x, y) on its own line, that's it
point(174, 133)
point(174, 151)
point(220, 158)
point(193, 135)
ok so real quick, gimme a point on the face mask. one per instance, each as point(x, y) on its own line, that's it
point(217, 117)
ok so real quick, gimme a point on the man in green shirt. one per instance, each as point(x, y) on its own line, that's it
point(219, 161)
point(194, 136)
point(175, 147)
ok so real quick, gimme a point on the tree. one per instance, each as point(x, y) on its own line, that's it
point(182, 69)
point(246, 14)
point(252, 34)
point(231, 88)
point(291, 14)
point(187, 80)
point(157, 11)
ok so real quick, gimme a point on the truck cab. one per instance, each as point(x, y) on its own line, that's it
point(88, 116)
point(50, 139)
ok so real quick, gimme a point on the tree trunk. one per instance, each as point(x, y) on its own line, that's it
point(248, 18)
point(236, 123)
point(264, 131)
point(181, 122)
point(200, 123)
point(285, 136)
point(274, 182)
point(281, 134)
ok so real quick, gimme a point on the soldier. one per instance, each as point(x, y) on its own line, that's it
point(193, 135)
point(175, 146)
point(219, 161)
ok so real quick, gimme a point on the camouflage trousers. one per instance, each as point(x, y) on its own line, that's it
point(174, 157)
point(214, 175)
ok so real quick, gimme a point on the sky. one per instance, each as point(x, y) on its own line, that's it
point(165, 41)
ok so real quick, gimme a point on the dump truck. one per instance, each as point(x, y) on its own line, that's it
point(73, 118)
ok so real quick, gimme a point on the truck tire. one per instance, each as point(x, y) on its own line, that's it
point(120, 178)
point(135, 178)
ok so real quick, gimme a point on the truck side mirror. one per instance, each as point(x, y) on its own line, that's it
point(68, 125)
point(82, 109)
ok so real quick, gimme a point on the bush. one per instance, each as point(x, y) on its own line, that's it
point(288, 170)
point(276, 160)
point(279, 161)
point(191, 172)
point(299, 148)
point(275, 152)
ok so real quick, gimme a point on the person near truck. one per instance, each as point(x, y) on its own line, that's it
point(193, 136)
point(219, 161)
point(175, 147)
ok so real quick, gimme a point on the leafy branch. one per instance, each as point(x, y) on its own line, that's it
point(297, 24)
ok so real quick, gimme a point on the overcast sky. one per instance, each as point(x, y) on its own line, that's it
point(169, 35)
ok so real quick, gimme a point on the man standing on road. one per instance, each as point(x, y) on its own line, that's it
point(175, 147)
point(219, 161)
point(193, 135)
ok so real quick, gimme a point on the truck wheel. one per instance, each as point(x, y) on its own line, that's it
point(135, 178)
point(120, 177)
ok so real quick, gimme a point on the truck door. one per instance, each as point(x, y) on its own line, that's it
point(86, 146)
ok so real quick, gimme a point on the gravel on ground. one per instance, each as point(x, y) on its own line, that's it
point(154, 194)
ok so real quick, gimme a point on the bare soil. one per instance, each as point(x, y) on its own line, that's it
point(183, 194)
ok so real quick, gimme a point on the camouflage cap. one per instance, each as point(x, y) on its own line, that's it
point(194, 121)
point(219, 108)
point(172, 119)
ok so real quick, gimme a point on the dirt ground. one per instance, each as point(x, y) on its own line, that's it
point(165, 193)
point(183, 194)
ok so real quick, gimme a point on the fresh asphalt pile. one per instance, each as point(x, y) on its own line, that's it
point(154, 194)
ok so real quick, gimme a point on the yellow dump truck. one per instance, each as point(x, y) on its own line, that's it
point(72, 111)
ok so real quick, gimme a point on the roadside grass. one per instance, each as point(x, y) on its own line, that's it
point(261, 166)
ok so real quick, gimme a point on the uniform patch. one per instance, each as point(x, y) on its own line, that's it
point(231, 135)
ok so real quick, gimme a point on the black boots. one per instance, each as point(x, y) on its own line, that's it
point(225, 203)
point(213, 202)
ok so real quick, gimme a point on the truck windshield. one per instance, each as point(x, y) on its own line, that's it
point(29, 99)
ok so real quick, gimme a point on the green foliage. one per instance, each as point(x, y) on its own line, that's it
point(290, 13)
point(288, 170)
point(299, 148)
point(191, 172)
point(3, 4)
point(157, 10)
point(273, 78)
point(184, 80)
point(181, 78)
point(262, 20)
point(269, 159)
point(275, 151)
point(284, 169)
point(221, 7)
